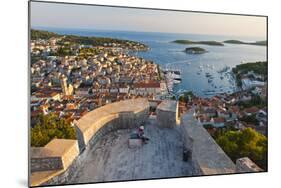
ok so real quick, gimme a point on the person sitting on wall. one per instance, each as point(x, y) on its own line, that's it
point(141, 134)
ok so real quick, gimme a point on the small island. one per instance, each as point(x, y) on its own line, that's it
point(211, 43)
point(259, 43)
point(195, 50)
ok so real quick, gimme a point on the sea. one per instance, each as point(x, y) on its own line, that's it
point(193, 67)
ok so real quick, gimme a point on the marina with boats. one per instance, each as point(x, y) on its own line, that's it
point(218, 80)
point(172, 76)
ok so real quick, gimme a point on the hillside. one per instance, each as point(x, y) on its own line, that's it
point(85, 40)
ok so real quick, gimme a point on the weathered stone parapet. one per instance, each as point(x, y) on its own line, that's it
point(207, 157)
point(167, 113)
point(57, 154)
point(90, 128)
point(125, 120)
point(80, 139)
point(119, 115)
point(45, 161)
point(246, 165)
point(52, 159)
point(187, 145)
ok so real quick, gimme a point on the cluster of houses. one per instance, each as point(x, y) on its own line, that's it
point(225, 110)
point(73, 85)
point(44, 47)
point(251, 80)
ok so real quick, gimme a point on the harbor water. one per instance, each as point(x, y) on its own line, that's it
point(205, 74)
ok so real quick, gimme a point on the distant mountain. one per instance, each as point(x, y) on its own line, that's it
point(212, 43)
point(260, 43)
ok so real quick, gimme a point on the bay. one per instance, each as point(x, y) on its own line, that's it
point(171, 55)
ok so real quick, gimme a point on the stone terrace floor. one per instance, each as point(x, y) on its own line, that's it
point(111, 159)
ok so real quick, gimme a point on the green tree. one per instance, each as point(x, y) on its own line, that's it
point(245, 143)
point(38, 34)
point(186, 96)
point(49, 127)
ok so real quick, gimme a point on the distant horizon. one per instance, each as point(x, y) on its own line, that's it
point(231, 37)
point(95, 17)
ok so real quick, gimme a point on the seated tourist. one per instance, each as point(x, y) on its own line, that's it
point(141, 134)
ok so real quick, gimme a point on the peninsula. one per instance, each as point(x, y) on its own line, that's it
point(88, 41)
point(251, 74)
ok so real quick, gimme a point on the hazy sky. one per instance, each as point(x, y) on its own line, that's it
point(97, 17)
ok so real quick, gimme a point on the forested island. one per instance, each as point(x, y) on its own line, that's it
point(259, 43)
point(216, 43)
point(211, 43)
point(195, 50)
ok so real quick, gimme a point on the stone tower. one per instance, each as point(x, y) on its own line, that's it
point(63, 82)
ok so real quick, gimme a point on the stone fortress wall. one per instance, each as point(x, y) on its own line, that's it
point(50, 169)
point(57, 154)
point(121, 115)
point(167, 113)
point(51, 160)
point(58, 161)
point(246, 165)
point(206, 155)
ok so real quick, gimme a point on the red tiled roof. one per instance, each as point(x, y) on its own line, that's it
point(147, 85)
point(67, 97)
